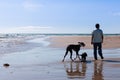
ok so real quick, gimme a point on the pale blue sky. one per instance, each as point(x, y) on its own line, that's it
point(59, 16)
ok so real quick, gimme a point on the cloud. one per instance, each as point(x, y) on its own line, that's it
point(116, 14)
point(31, 5)
point(26, 4)
point(27, 29)
point(7, 5)
point(32, 27)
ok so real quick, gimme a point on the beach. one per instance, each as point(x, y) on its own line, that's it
point(63, 41)
point(40, 58)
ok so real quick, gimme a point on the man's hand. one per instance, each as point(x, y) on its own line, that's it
point(91, 42)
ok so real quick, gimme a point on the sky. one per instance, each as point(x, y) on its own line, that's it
point(59, 16)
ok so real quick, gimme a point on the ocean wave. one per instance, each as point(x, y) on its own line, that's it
point(21, 42)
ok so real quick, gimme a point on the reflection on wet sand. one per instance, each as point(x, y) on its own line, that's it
point(75, 69)
point(98, 68)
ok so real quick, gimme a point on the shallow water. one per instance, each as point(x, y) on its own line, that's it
point(43, 63)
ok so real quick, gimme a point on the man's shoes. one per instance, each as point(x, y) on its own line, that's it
point(102, 57)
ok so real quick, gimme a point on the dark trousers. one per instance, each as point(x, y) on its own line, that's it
point(97, 47)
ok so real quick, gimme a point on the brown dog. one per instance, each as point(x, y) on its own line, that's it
point(74, 47)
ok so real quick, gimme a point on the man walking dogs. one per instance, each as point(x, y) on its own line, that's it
point(97, 40)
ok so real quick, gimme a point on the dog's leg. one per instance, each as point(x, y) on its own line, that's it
point(83, 59)
point(75, 57)
point(71, 55)
point(65, 55)
point(77, 54)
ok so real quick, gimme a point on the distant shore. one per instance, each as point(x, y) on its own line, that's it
point(112, 41)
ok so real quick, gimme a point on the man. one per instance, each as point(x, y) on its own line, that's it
point(97, 40)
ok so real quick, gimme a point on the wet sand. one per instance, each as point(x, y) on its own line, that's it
point(44, 63)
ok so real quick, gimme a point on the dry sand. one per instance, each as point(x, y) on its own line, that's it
point(63, 41)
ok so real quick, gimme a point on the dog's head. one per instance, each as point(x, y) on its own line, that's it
point(81, 44)
point(84, 54)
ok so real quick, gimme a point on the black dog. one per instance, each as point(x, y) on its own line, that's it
point(83, 57)
point(74, 47)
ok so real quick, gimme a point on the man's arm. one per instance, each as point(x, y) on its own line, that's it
point(102, 38)
point(92, 39)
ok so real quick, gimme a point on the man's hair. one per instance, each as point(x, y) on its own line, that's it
point(97, 25)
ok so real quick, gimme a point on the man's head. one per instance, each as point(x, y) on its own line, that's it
point(97, 26)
